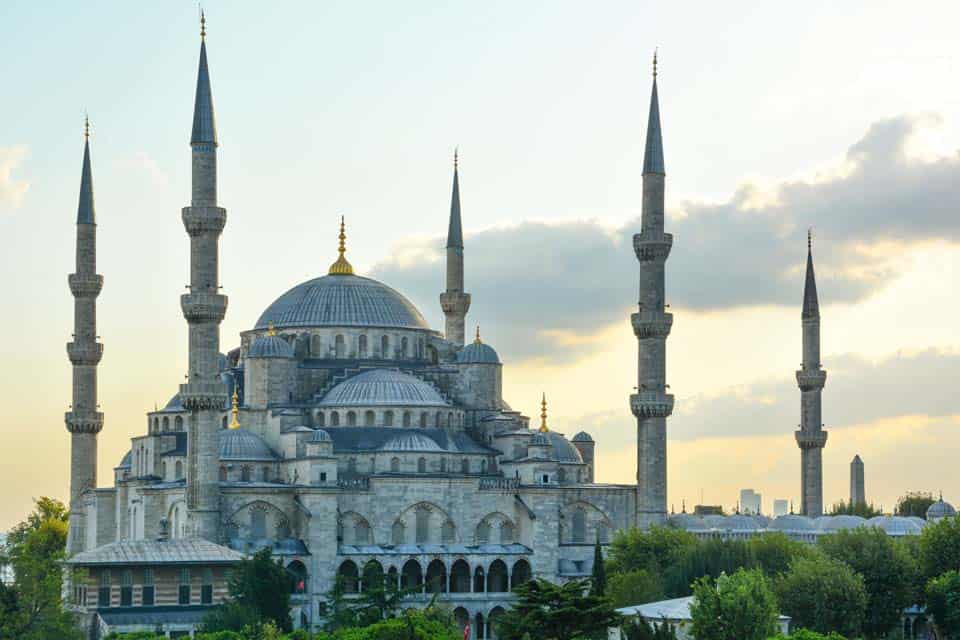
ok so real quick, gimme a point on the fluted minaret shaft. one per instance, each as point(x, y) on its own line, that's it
point(811, 437)
point(204, 395)
point(651, 324)
point(84, 421)
point(454, 301)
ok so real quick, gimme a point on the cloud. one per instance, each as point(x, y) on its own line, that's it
point(858, 391)
point(545, 282)
point(12, 190)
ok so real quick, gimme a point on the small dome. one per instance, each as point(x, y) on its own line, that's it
point(583, 436)
point(793, 522)
point(895, 525)
point(563, 451)
point(837, 523)
point(412, 442)
point(240, 444)
point(540, 440)
point(940, 509)
point(270, 347)
point(383, 387)
point(320, 436)
point(478, 353)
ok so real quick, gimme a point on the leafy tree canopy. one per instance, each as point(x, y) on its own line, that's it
point(634, 587)
point(639, 629)
point(939, 547)
point(773, 552)
point(259, 592)
point(735, 607)
point(943, 603)
point(914, 503)
point(548, 611)
point(823, 595)
point(654, 549)
point(861, 509)
point(806, 634)
point(708, 558)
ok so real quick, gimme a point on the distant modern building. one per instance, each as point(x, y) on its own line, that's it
point(780, 508)
point(857, 493)
point(801, 528)
point(751, 502)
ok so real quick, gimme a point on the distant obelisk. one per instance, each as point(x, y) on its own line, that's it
point(857, 493)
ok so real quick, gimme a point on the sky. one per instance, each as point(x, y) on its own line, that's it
point(840, 117)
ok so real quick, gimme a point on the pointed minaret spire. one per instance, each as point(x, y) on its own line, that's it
point(86, 213)
point(811, 305)
point(204, 125)
point(653, 153)
point(454, 301)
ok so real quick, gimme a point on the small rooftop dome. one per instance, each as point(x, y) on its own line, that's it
point(383, 387)
point(270, 346)
point(837, 523)
point(793, 522)
point(412, 442)
point(478, 353)
point(320, 436)
point(940, 509)
point(895, 525)
point(240, 444)
point(583, 436)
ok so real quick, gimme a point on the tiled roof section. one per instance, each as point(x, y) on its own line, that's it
point(361, 439)
point(383, 387)
point(86, 212)
point(177, 551)
point(434, 549)
point(653, 153)
point(204, 124)
point(342, 301)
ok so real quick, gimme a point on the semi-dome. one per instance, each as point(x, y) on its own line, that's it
point(895, 525)
point(478, 353)
point(342, 301)
point(127, 461)
point(240, 444)
point(270, 346)
point(793, 522)
point(412, 441)
point(383, 387)
point(583, 436)
point(940, 509)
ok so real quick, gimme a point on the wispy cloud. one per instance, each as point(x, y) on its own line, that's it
point(12, 190)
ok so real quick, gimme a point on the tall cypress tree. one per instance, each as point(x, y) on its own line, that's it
point(599, 578)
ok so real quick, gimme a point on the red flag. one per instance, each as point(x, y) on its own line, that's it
point(466, 632)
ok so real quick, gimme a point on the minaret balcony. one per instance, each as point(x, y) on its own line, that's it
point(83, 421)
point(811, 439)
point(85, 285)
point(203, 395)
point(201, 219)
point(203, 307)
point(811, 379)
point(88, 353)
point(454, 302)
point(651, 404)
point(651, 324)
point(651, 246)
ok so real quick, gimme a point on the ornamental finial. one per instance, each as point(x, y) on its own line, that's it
point(203, 25)
point(477, 340)
point(270, 330)
point(543, 415)
point(341, 267)
point(456, 157)
point(235, 410)
point(809, 239)
point(654, 63)
point(86, 125)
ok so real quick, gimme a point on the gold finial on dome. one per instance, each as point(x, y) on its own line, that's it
point(270, 330)
point(235, 410)
point(543, 415)
point(477, 340)
point(341, 267)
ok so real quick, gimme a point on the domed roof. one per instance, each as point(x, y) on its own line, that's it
point(320, 436)
point(895, 525)
point(540, 440)
point(270, 347)
point(714, 521)
point(563, 451)
point(411, 441)
point(583, 436)
point(478, 353)
point(793, 522)
point(240, 444)
point(940, 509)
point(383, 387)
point(687, 522)
point(836, 523)
point(339, 301)
point(740, 522)
point(127, 461)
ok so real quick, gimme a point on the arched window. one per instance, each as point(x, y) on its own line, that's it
point(178, 424)
point(561, 475)
point(385, 346)
point(334, 418)
point(352, 465)
point(436, 577)
point(316, 347)
point(460, 577)
point(298, 571)
point(521, 573)
point(579, 526)
point(448, 533)
point(339, 347)
point(258, 524)
point(395, 465)
point(321, 419)
point(351, 419)
point(506, 532)
point(443, 465)
point(450, 419)
point(412, 576)
point(397, 533)
point(439, 420)
point(479, 582)
point(421, 465)
point(163, 470)
point(369, 418)
point(166, 423)
point(126, 588)
point(403, 348)
point(406, 418)
point(483, 466)
point(483, 533)
point(156, 424)
point(423, 420)
point(349, 577)
point(478, 626)
point(372, 576)
point(245, 474)
point(464, 465)
point(178, 470)
point(265, 474)
point(361, 532)
point(223, 422)
point(497, 578)
point(362, 346)
point(388, 418)
point(223, 473)
point(423, 525)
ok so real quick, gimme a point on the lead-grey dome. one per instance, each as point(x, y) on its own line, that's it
point(563, 451)
point(320, 436)
point(895, 525)
point(411, 441)
point(940, 509)
point(478, 353)
point(240, 444)
point(793, 522)
point(270, 347)
point(342, 301)
point(383, 387)
point(127, 461)
point(540, 440)
point(583, 436)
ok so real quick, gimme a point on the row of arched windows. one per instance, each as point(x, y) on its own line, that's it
point(396, 465)
point(389, 418)
point(162, 425)
point(497, 578)
point(578, 529)
point(177, 470)
point(386, 347)
point(248, 473)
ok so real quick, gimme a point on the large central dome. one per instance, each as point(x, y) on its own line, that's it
point(339, 301)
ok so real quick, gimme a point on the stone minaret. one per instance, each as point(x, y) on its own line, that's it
point(204, 395)
point(651, 404)
point(857, 492)
point(811, 437)
point(83, 420)
point(454, 302)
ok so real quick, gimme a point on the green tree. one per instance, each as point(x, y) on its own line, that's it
point(823, 595)
point(943, 604)
point(637, 628)
point(806, 634)
point(35, 550)
point(634, 587)
point(887, 569)
point(259, 593)
point(914, 503)
point(654, 549)
point(598, 579)
point(939, 547)
point(735, 607)
point(773, 552)
point(861, 509)
point(429, 624)
point(709, 558)
point(551, 611)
